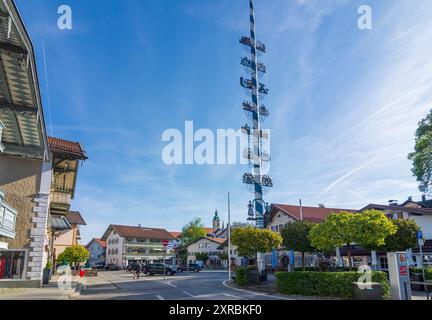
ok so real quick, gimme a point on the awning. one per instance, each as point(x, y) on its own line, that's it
point(58, 223)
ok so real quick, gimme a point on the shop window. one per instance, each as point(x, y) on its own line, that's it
point(11, 264)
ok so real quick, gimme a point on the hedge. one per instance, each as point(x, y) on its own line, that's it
point(428, 272)
point(242, 275)
point(325, 284)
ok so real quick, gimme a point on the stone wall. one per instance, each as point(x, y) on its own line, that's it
point(20, 179)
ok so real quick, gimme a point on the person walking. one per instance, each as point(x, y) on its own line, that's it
point(138, 270)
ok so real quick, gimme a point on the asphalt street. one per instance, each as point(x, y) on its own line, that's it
point(119, 285)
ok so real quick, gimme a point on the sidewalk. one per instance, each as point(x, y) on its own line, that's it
point(47, 292)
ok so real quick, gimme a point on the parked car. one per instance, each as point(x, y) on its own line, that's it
point(98, 265)
point(192, 267)
point(111, 267)
point(158, 268)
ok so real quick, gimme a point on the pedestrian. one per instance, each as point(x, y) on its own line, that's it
point(138, 270)
point(133, 270)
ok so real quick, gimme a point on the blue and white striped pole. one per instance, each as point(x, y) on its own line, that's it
point(259, 203)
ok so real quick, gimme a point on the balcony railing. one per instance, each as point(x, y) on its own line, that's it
point(61, 197)
point(7, 218)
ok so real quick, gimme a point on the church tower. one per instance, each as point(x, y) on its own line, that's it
point(216, 222)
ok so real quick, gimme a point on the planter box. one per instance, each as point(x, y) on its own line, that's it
point(46, 276)
point(375, 293)
point(252, 277)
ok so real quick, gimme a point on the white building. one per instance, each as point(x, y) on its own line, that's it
point(212, 246)
point(126, 244)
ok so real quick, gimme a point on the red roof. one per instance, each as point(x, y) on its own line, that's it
point(74, 217)
point(139, 232)
point(175, 234)
point(218, 240)
point(101, 242)
point(209, 230)
point(68, 148)
point(313, 214)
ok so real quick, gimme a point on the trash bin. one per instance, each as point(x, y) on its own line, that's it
point(376, 291)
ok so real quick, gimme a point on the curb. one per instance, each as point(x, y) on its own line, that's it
point(77, 292)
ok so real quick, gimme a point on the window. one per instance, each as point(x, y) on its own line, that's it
point(384, 263)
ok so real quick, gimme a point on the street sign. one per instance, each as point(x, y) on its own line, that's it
point(419, 234)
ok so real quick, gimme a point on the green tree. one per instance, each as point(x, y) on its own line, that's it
point(373, 227)
point(250, 241)
point(74, 254)
point(336, 231)
point(193, 231)
point(405, 236)
point(296, 237)
point(422, 155)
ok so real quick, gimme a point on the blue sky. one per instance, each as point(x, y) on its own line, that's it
point(344, 103)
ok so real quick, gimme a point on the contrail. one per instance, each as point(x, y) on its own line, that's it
point(364, 121)
point(47, 86)
point(349, 174)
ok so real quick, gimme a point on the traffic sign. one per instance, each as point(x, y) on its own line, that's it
point(419, 234)
point(165, 243)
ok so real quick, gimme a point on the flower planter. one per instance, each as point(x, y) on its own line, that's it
point(46, 276)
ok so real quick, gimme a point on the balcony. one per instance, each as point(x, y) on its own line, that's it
point(60, 202)
point(7, 218)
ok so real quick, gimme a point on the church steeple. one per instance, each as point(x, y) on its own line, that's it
point(216, 221)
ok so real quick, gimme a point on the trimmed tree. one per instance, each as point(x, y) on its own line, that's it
point(193, 231)
point(422, 155)
point(405, 237)
point(296, 237)
point(373, 227)
point(250, 241)
point(336, 231)
point(74, 254)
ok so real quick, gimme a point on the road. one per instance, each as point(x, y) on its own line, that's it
point(119, 285)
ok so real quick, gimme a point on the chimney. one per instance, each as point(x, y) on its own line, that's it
point(393, 202)
point(321, 205)
point(423, 197)
point(410, 198)
point(139, 226)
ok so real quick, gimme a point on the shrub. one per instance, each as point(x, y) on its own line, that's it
point(244, 275)
point(428, 272)
point(325, 284)
point(241, 276)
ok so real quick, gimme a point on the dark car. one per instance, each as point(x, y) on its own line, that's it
point(158, 268)
point(191, 267)
point(111, 267)
point(98, 265)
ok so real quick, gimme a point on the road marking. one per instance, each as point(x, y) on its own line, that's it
point(160, 297)
point(188, 294)
point(170, 284)
point(255, 293)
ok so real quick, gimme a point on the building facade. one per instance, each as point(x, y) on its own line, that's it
point(209, 245)
point(25, 161)
point(279, 216)
point(127, 244)
point(69, 237)
point(97, 250)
